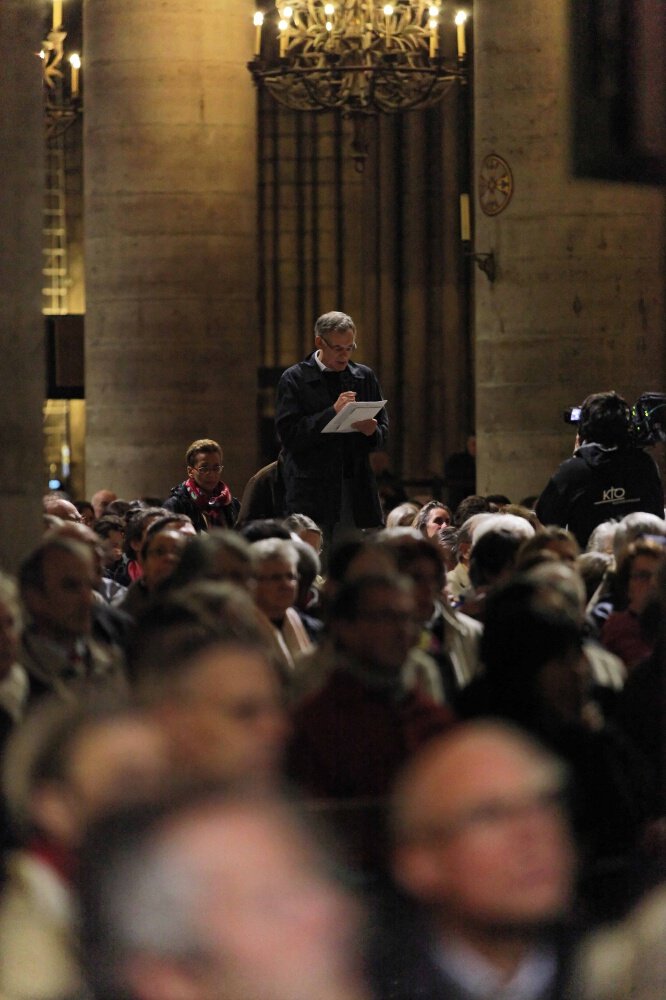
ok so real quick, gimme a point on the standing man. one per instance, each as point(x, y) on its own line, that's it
point(328, 476)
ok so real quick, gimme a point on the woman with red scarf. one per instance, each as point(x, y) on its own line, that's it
point(203, 496)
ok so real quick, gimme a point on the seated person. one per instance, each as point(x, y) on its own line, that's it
point(275, 565)
point(624, 633)
point(203, 496)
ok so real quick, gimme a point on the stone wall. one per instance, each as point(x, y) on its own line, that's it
point(170, 216)
point(578, 304)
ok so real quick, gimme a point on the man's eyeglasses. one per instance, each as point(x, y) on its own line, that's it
point(337, 348)
point(204, 469)
point(278, 578)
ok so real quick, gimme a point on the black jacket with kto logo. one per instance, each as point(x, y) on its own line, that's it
point(600, 484)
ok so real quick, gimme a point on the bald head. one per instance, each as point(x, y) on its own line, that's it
point(101, 500)
point(57, 506)
point(480, 829)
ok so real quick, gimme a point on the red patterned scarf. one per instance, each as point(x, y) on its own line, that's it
point(210, 504)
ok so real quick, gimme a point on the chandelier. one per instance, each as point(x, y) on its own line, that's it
point(361, 57)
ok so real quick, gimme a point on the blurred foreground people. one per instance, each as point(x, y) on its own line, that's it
point(65, 767)
point(217, 554)
point(449, 638)
point(218, 896)
point(13, 678)
point(354, 732)
point(482, 847)
point(217, 699)
point(537, 676)
point(628, 961)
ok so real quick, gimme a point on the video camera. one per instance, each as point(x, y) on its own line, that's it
point(647, 419)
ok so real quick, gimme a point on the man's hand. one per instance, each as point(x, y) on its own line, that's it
point(343, 399)
point(367, 427)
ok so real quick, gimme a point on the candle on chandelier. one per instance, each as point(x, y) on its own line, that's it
point(388, 14)
point(57, 13)
point(434, 40)
point(465, 224)
point(258, 21)
point(283, 25)
point(75, 63)
point(460, 19)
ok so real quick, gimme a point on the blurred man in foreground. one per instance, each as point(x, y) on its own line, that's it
point(482, 845)
point(218, 896)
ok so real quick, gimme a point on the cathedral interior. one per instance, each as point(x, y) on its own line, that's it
point(172, 231)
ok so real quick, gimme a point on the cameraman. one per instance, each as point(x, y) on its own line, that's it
point(607, 477)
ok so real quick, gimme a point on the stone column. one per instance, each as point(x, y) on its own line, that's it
point(578, 304)
point(21, 322)
point(170, 203)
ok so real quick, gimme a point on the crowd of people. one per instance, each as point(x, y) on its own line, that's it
point(433, 768)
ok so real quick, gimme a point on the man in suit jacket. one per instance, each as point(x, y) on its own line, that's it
point(328, 476)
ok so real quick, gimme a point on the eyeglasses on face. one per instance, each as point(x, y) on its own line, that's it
point(204, 469)
point(337, 348)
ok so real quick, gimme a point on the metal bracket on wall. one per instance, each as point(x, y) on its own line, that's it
point(485, 262)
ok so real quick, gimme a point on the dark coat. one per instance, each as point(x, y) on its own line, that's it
point(180, 502)
point(351, 741)
point(401, 955)
point(598, 484)
point(263, 496)
point(314, 463)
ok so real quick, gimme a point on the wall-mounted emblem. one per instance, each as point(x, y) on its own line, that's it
point(495, 185)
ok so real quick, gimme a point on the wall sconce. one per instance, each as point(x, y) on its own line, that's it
point(484, 261)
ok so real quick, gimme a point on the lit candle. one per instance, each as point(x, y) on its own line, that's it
point(258, 21)
point(465, 227)
point(460, 19)
point(283, 25)
point(75, 63)
point(388, 14)
point(57, 13)
point(434, 40)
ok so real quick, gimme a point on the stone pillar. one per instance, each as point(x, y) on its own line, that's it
point(578, 304)
point(21, 322)
point(170, 206)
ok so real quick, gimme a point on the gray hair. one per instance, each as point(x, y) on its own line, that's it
point(334, 322)
point(633, 526)
point(143, 889)
point(601, 539)
point(517, 527)
point(274, 548)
